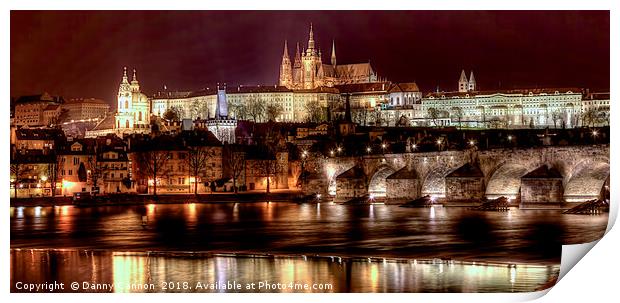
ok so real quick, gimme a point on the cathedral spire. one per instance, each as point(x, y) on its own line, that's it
point(297, 62)
point(285, 55)
point(471, 85)
point(334, 52)
point(134, 78)
point(463, 76)
point(311, 39)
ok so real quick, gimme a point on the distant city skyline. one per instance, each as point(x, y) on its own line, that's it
point(82, 53)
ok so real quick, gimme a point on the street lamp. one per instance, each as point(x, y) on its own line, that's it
point(331, 153)
point(368, 149)
point(438, 144)
point(383, 146)
point(339, 150)
point(472, 143)
point(414, 146)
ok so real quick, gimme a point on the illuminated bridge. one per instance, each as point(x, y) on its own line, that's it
point(542, 174)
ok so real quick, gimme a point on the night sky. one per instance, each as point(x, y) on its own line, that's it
point(81, 54)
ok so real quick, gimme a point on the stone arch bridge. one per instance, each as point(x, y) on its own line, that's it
point(582, 171)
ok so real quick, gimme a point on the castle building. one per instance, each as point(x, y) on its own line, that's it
point(308, 71)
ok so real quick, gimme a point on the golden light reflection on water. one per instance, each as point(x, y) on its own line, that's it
point(191, 212)
point(349, 276)
point(128, 270)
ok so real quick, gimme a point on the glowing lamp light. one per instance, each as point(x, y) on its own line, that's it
point(339, 149)
point(414, 146)
point(368, 149)
point(471, 142)
point(331, 152)
point(509, 137)
point(594, 133)
point(192, 179)
point(43, 178)
point(438, 141)
point(383, 146)
point(371, 197)
point(318, 196)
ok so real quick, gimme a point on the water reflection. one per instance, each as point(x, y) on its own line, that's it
point(327, 229)
point(134, 272)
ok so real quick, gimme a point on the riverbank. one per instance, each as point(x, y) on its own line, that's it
point(134, 199)
point(286, 196)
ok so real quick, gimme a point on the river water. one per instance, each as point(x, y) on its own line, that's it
point(95, 243)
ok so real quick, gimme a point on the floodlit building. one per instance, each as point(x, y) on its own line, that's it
point(307, 71)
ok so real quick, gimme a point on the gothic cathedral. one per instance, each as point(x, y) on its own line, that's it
point(308, 71)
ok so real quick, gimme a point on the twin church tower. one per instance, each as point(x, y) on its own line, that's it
point(308, 71)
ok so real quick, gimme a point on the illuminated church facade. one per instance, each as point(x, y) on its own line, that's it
point(307, 71)
point(132, 114)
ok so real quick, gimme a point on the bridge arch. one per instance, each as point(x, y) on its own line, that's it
point(434, 183)
point(587, 180)
point(506, 180)
point(377, 185)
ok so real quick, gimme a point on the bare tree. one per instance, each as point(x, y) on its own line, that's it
point(172, 114)
point(555, 117)
point(236, 162)
point(197, 160)
point(199, 109)
point(153, 162)
point(255, 109)
point(268, 168)
point(18, 169)
point(433, 114)
point(96, 169)
point(53, 172)
point(314, 111)
point(458, 113)
point(240, 110)
point(273, 110)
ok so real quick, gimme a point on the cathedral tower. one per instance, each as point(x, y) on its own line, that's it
point(286, 71)
point(463, 83)
point(310, 62)
point(471, 85)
